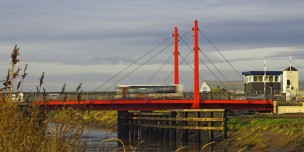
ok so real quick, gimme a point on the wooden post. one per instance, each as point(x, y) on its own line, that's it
point(198, 132)
point(123, 131)
point(210, 132)
point(173, 131)
point(224, 124)
point(185, 131)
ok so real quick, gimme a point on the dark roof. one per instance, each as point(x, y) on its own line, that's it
point(262, 73)
point(291, 69)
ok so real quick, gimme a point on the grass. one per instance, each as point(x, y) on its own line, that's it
point(287, 126)
point(265, 132)
point(104, 119)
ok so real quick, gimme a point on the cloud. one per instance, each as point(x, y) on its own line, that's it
point(116, 60)
point(296, 54)
point(77, 37)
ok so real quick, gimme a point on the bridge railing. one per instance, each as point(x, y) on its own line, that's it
point(52, 96)
point(55, 96)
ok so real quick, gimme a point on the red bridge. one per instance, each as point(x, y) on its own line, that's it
point(107, 101)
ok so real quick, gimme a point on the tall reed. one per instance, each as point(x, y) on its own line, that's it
point(32, 128)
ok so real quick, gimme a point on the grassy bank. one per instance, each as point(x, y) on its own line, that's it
point(101, 119)
point(94, 119)
point(266, 133)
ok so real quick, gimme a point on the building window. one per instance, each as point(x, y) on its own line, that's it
point(270, 78)
point(260, 79)
point(276, 78)
point(266, 78)
point(204, 89)
point(255, 78)
point(248, 79)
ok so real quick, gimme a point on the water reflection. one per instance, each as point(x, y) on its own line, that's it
point(92, 140)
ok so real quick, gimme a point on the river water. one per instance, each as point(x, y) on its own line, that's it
point(95, 139)
point(101, 140)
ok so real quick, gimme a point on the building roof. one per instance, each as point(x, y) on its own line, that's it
point(228, 85)
point(262, 73)
point(291, 69)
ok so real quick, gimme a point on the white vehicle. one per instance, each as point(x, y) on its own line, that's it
point(171, 91)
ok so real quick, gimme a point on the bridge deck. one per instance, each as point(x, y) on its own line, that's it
point(260, 105)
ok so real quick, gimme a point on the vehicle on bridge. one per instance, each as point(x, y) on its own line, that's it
point(170, 91)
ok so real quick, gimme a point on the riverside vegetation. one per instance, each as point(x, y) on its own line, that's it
point(31, 128)
point(266, 132)
point(27, 128)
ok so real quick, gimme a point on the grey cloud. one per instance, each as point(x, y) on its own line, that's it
point(116, 60)
point(113, 32)
point(285, 54)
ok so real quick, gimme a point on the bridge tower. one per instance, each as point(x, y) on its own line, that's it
point(176, 53)
point(196, 101)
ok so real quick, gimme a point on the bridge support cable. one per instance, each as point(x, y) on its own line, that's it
point(221, 54)
point(238, 73)
point(213, 74)
point(132, 63)
point(218, 70)
point(180, 37)
point(139, 67)
point(204, 65)
point(183, 60)
point(190, 64)
point(159, 69)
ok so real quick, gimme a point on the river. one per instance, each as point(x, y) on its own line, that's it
point(94, 140)
point(101, 140)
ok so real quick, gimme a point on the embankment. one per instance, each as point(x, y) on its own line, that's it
point(269, 132)
point(103, 119)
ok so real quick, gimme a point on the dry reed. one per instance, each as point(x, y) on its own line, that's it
point(30, 128)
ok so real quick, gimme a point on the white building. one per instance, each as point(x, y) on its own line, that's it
point(290, 81)
point(205, 88)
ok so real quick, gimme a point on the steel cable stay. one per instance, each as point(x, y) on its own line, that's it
point(159, 69)
point(137, 61)
point(185, 34)
point(214, 74)
point(221, 54)
point(132, 63)
point(238, 73)
point(217, 70)
point(138, 67)
point(173, 70)
point(205, 64)
point(190, 64)
point(180, 56)
point(183, 60)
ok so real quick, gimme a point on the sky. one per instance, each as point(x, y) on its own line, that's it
point(89, 42)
